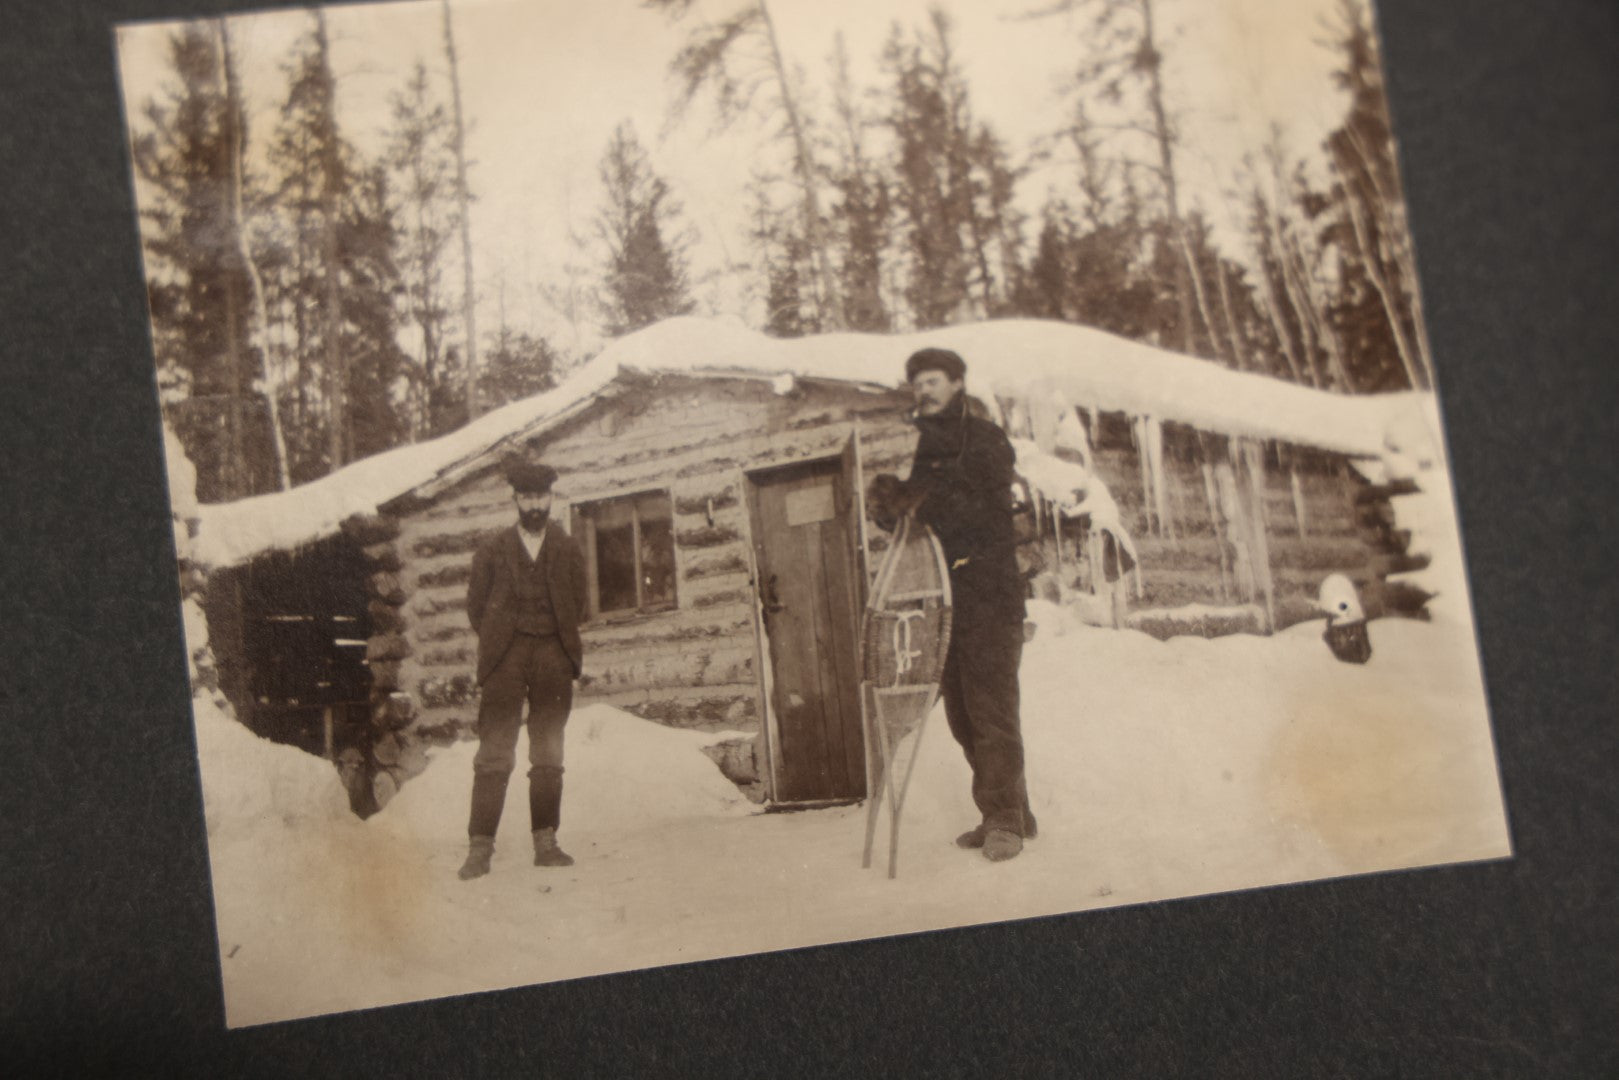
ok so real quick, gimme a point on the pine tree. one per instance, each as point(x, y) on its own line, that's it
point(1369, 222)
point(463, 198)
point(375, 365)
point(953, 184)
point(862, 217)
point(1123, 71)
point(519, 366)
point(342, 284)
point(200, 285)
point(644, 272)
point(736, 58)
point(779, 253)
point(422, 160)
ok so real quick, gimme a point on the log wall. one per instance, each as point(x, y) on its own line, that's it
point(694, 666)
point(1311, 512)
point(692, 438)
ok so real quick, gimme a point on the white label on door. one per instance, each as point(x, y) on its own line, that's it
point(809, 505)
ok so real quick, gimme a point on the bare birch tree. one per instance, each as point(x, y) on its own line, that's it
point(464, 196)
point(236, 150)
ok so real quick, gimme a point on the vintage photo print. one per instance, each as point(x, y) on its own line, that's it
point(658, 480)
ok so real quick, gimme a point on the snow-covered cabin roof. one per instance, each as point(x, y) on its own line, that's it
point(1015, 358)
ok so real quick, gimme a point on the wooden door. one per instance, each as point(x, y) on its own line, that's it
point(805, 542)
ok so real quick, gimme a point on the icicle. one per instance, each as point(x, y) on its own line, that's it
point(1219, 530)
point(1056, 531)
point(1298, 503)
point(1149, 504)
point(1152, 454)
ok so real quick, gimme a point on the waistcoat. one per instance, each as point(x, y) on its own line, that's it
point(534, 612)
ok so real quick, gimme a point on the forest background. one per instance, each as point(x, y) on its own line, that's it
point(364, 226)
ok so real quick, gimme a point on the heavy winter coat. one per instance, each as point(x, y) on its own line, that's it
point(492, 594)
point(961, 483)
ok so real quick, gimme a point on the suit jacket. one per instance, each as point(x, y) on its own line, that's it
point(492, 593)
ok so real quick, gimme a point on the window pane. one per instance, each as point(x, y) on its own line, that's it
point(615, 561)
point(653, 506)
point(612, 514)
point(658, 558)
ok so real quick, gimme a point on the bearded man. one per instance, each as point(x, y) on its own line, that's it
point(525, 600)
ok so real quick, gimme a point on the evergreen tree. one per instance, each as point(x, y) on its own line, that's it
point(861, 218)
point(422, 160)
point(199, 288)
point(1379, 309)
point(1090, 274)
point(1122, 71)
point(782, 258)
point(342, 284)
point(463, 202)
point(644, 277)
point(376, 367)
point(953, 184)
point(735, 58)
point(519, 366)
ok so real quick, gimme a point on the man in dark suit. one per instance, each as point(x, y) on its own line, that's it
point(525, 600)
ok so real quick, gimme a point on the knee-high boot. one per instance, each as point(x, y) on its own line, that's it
point(545, 797)
point(545, 814)
point(488, 799)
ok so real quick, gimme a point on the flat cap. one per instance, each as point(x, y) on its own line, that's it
point(954, 367)
point(530, 478)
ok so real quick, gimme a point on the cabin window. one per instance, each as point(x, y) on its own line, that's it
point(629, 546)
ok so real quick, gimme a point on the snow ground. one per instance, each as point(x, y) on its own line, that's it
point(1157, 770)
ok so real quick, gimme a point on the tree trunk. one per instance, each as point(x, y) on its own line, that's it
point(1320, 323)
point(261, 319)
point(1283, 334)
point(1392, 226)
point(1196, 278)
point(1166, 160)
point(468, 299)
point(330, 183)
point(1239, 352)
point(830, 310)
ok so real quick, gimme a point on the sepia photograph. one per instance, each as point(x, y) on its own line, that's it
point(663, 480)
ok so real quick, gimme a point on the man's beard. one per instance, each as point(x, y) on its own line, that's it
point(533, 520)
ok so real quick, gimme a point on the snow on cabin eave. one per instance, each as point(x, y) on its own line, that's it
point(1090, 367)
point(233, 533)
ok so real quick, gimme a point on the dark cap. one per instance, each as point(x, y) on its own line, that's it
point(936, 360)
point(529, 478)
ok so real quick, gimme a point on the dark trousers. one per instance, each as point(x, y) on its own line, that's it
point(980, 690)
point(535, 670)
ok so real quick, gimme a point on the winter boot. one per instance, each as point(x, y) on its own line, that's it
point(488, 799)
point(546, 852)
point(1001, 844)
point(973, 838)
point(478, 853)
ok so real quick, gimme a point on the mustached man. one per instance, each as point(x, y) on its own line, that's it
point(961, 487)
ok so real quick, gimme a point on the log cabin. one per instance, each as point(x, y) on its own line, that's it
point(713, 478)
